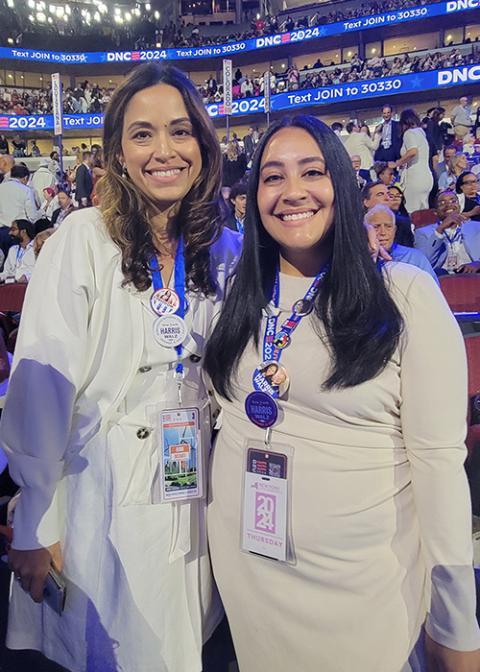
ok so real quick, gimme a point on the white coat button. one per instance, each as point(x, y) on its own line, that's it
point(144, 369)
point(143, 433)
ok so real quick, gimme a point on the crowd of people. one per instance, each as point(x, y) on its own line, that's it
point(88, 97)
point(320, 74)
point(146, 29)
point(39, 202)
point(337, 469)
point(405, 165)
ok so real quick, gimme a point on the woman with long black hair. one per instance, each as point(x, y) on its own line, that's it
point(339, 522)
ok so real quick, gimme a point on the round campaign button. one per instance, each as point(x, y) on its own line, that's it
point(170, 331)
point(272, 378)
point(302, 307)
point(281, 340)
point(165, 301)
point(261, 409)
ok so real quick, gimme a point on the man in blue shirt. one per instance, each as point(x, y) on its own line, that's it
point(382, 219)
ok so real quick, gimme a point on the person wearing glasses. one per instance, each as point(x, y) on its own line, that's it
point(467, 187)
point(452, 244)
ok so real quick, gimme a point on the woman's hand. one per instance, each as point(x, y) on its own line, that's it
point(442, 659)
point(30, 568)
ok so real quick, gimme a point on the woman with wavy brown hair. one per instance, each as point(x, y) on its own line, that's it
point(112, 338)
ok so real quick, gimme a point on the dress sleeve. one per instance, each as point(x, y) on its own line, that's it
point(433, 415)
point(410, 140)
point(48, 370)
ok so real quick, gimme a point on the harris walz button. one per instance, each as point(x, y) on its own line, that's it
point(143, 433)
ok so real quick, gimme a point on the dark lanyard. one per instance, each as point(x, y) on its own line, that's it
point(179, 281)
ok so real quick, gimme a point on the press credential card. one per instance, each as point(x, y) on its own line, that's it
point(180, 455)
point(265, 504)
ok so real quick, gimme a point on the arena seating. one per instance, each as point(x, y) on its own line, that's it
point(462, 292)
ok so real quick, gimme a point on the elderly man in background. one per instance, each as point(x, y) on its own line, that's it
point(452, 244)
point(362, 175)
point(382, 219)
point(461, 118)
point(376, 193)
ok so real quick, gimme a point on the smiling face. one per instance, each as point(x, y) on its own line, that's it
point(159, 149)
point(387, 113)
point(447, 204)
point(295, 193)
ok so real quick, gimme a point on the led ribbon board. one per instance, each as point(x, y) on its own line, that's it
point(214, 51)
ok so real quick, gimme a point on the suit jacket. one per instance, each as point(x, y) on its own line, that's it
point(83, 183)
point(393, 152)
point(230, 222)
point(435, 249)
point(248, 146)
point(404, 234)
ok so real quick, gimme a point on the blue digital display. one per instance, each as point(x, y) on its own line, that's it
point(253, 44)
point(420, 81)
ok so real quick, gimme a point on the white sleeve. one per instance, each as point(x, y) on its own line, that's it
point(25, 267)
point(48, 370)
point(433, 414)
point(410, 140)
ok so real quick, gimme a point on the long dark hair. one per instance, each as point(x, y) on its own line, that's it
point(126, 209)
point(362, 322)
point(409, 119)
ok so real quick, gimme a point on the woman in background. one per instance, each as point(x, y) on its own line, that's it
point(416, 178)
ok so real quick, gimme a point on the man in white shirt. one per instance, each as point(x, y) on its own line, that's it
point(17, 201)
point(41, 179)
point(21, 257)
point(461, 118)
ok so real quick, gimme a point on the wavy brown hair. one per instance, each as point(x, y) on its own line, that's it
point(126, 209)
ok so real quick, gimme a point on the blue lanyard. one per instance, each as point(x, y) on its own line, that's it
point(179, 280)
point(457, 236)
point(272, 352)
point(20, 253)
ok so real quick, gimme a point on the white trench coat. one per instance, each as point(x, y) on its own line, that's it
point(78, 353)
